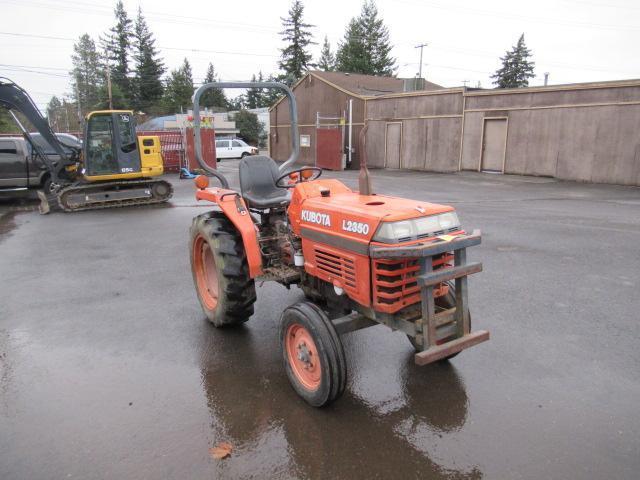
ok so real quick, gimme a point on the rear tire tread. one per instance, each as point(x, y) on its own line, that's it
point(237, 290)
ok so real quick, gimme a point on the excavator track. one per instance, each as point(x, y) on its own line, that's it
point(127, 193)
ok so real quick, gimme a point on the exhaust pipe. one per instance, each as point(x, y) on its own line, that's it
point(364, 180)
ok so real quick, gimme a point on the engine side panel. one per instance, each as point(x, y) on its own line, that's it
point(342, 269)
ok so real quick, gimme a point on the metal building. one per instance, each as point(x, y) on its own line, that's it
point(331, 112)
point(584, 131)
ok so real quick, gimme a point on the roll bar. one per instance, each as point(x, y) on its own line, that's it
point(293, 113)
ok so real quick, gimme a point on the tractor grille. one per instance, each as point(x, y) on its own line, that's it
point(395, 285)
point(336, 267)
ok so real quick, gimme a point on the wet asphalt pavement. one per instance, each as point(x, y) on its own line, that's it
point(108, 368)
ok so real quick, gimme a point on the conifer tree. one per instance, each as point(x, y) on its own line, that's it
point(54, 109)
point(271, 95)
point(147, 87)
point(179, 89)
point(516, 68)
point(250, 128)
point(86, 75)
point(366, 46)
point(7, 125)
point(117, 45)
point(327, 61)
point(215, 97)
point(295, 58)
point(258, 97)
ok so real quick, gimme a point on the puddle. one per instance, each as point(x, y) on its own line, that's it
point(7, 223)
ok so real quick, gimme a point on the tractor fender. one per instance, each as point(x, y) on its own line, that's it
point(235, 209)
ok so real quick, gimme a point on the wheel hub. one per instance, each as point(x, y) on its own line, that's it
point(302, 355)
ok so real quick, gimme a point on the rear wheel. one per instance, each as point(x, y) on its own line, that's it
point(444, 302)
point(220, 270)
point(312, 353)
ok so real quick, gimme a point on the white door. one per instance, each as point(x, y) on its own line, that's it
point(223, 150)
point(236, 149)
point(494, 140)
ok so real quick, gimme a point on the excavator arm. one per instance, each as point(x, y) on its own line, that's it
point(15, 98)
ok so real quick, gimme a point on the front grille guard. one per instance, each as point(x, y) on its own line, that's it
point(440, 335)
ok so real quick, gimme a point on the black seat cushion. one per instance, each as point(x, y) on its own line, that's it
point(258, 175)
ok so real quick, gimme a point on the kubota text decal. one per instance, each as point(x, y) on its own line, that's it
point(316, 217)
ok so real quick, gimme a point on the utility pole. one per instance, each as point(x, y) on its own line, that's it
point(464, 82)
point(78, 102)
point(421, 47)
point(109, 87)
point(546, 78)
point(66, 116)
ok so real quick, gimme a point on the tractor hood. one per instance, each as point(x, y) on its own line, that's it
point(328, 206)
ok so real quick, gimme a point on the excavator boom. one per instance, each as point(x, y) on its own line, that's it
point(15, 98)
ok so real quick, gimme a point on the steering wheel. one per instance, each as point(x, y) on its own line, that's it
point(317, 172)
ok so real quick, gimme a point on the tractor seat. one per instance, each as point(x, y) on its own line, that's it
point(258, 175)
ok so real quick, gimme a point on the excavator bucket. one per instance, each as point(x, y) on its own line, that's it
point(48, 202)
point(44, 206)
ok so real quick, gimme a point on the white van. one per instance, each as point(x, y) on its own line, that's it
point(233, 148)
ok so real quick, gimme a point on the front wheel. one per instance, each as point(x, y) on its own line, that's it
point(312, 353)
point(244, 154)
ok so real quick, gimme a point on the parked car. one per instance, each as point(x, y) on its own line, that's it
point(233, 148)
point(20, 168)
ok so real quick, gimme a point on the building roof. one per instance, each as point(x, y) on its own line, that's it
point(366, 85)
point(358, 85)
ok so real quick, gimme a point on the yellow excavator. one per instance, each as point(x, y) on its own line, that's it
point(113, 168)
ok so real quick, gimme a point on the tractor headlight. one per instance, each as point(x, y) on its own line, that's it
point(416, 228)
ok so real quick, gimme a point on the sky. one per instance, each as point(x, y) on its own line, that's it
point(573, 40)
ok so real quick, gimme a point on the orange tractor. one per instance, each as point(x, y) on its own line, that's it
point(361, 259)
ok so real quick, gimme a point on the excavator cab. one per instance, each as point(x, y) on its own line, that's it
point(111, 147)
point(113, 150)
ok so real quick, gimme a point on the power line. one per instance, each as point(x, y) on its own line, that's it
point(195, 50)
point(100, 10)
point(510, 16)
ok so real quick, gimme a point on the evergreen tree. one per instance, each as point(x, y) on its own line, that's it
point(146, 85)
point(179, 89)
point(351, 55)
point(250, 128)
point(257, 97)
point(516, 68)
point(295, 58)
point(365, 48)
point(54, 110)
point(118, 100)
point(215, 98)
point(117, 45)
point(7, 125)
point(238, 102)
point(271, 95)
point(327, 61)
point(86, 76)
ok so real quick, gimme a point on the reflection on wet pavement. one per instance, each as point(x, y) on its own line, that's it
point(365, 434)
